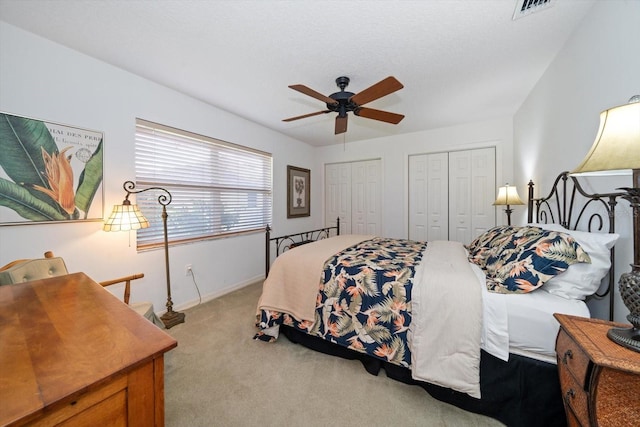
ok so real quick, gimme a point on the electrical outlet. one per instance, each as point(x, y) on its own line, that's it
point(188, 270)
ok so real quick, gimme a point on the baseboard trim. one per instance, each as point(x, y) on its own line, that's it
point(216, 294)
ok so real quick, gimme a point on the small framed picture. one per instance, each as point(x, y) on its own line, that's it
point(298, 192)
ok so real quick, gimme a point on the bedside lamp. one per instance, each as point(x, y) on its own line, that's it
point(507, 196)
point(617, 147)
point(126, 217)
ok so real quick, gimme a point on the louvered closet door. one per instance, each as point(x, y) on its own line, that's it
point(428, 197)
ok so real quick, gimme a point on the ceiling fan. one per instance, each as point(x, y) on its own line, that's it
point(342, 102)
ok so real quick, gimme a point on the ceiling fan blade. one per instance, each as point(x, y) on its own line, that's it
point(341, 124)
point(378, 90)
point(312, 93)
point(304, 116)
point(383, 116)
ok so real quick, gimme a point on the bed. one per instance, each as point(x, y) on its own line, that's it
point(387, 302)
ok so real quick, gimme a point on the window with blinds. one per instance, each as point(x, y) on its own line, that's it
point(218, 189)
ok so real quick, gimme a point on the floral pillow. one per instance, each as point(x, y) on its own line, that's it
point(509, 248)
point(531, 257)
point(485, 239)
point(494, 241)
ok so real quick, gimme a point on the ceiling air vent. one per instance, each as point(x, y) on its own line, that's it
point(526, 7)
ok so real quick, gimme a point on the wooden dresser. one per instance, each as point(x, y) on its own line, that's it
point(600, 379)
point(72, 353)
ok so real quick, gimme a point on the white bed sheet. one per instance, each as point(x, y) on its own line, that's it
point(532, 327)
point(523, 323)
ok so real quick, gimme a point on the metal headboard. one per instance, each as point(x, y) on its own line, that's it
point(570, 206)
point(290, 241)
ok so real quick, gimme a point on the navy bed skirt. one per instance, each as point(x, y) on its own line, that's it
point(522, 392)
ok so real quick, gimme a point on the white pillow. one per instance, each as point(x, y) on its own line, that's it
point(581, 280)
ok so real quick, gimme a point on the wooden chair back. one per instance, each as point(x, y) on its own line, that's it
point(27, 269)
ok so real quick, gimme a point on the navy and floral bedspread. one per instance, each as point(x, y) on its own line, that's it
point(364, 300)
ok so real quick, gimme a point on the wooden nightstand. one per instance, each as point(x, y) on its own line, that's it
point(600, 379)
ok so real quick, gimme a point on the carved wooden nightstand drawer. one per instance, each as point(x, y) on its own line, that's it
point(574, 395)
point(600, 380)
point(572, 356)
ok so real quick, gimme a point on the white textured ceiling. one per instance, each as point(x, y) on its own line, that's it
point(460, 61)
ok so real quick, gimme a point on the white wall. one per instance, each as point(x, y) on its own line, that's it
point(598, 68)
point(44, 80)
point(395, 152)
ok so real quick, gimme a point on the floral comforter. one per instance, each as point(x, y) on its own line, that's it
point(380, 297)
point(364, 299)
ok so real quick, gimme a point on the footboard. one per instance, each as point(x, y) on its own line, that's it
point(290, 241)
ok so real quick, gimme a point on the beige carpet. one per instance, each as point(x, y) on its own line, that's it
point(219, 376)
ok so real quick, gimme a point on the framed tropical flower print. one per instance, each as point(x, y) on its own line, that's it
point(49, 172)
point(298, 192)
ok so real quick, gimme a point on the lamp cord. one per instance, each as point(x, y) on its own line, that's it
point(193, 277)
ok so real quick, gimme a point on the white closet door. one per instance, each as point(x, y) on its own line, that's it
point(483, 190)
point(374, 197)
point(460, 225)
point(337, 192)
point(438, 197)
point(418, 207)
point(428, 197)
point(365, 197)
point(358, 198)
point(451, 195)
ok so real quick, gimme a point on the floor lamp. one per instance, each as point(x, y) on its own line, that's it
point(507, 196)
point(617, 147)
point(126, 217)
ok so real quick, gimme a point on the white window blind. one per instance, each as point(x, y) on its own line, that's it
point(218, 189)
